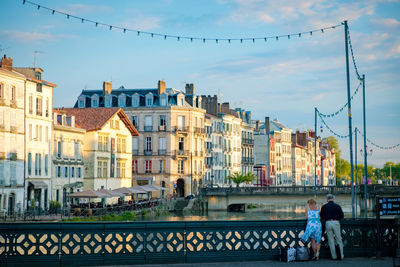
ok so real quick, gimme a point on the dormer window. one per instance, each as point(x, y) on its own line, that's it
point(81, 101)
point(135, 100)
point(108, 100)
point(95, 101)
point(163, 100)
point(149, 100)
point(38, 75)
point(122, 100)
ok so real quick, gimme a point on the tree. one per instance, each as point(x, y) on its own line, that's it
point(333, 143)
point(239, 178)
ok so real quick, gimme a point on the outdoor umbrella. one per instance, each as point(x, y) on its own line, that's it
point(123, 190)
point(156, 187)
point(110, 193)
point(149, 188)
point(89, 194)
point(138, 190)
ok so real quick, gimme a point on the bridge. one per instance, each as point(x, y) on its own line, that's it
point(117, 243)
point(224, 197)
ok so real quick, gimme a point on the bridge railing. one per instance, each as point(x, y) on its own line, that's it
point(298, 190)
point(96, 243)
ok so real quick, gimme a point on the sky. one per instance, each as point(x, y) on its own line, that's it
point(284, 79)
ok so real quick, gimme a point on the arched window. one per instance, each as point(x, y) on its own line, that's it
point(149, 100)
point(108, 100)
point(135, 100)
point(122, 100)
point(95, 101)
point(82, 101)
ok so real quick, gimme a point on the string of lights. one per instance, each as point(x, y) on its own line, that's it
point(352, 56)
point(378, 146)
point(332, 131)
point(178, 37)
point(344, 106)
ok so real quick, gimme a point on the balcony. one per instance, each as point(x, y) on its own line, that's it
point(13, 156)
point(135, 152)
point(13, 182)
point(13, 103)
point(162, 128)
point(199, 130)
point(247, 141)
point(162, 152)
point(181, 129)
point(148, 128)
point(248, 160)
point(183, 153)
point(13, 129)
point(148, 152)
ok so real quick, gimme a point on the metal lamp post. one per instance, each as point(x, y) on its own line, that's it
point(365, 153)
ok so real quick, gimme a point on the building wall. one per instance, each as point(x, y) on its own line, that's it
point(67, 167)
point(96, 174)
point(38, 125)
point(11, 142)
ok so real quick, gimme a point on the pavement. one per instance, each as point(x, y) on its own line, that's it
point(353, 262)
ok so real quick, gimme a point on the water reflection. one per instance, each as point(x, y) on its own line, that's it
point(265, 212)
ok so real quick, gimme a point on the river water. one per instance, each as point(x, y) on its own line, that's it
point(267, 212)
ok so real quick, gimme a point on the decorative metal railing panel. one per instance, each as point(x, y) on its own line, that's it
point(160, 242)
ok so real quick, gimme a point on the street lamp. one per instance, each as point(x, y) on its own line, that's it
point(366, 153)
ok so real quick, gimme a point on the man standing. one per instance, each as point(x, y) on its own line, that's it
point(332, 213)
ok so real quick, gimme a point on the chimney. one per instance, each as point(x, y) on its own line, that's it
point(189, 89)
point(161, 87)
point(225, 108)
point(107, 88)
point(257, 125)
point(6, 63)
point(267, 129)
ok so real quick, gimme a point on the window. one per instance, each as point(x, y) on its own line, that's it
point(134, 145)
point(149, 100)
point(39, 106)
point(161, 166)
point(181, 123)
point(121, 144)
point(58, 171)
point(135, 121)
point(65, 171)
point(121, 167)
point(105, 169)
point(47, 107)
point(82, 101)
point(102, 170)
point(122, 100)
point(148, 123)
point(13, 94)
point(30, 104)
point(46, 165)
point(59, 149)
point(1, 90)
point(148, 146)
point(135, 100)
point(134, 166)
point(162, 146)
point(181, 144)
point(102, 142)
point(79, 172)
point(29, 163)
point(72, 172)
point(180, 166)
point(163, 100)
point(163, 122)
point(148, 166)
point(95, 101)
point(109, 101)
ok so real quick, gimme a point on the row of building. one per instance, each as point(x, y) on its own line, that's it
point(122, 137)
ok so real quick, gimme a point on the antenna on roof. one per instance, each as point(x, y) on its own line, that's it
point(34, 56)
point(219, 95)
point(3, 49)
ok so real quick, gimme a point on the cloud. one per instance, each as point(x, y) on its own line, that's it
point(318, 97)
point(27, 37)
point(84, 9)
point(388, 22)
point(142, 23)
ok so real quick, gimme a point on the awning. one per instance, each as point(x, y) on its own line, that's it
point(155, 187)
point(123, 190)
point(89, 194)
point(138, 190)
point(110, 193)
point(38, 184)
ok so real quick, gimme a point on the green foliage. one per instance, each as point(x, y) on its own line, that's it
point(54, 205)
point(252, 206)
point(127, 216)
point(239, 178)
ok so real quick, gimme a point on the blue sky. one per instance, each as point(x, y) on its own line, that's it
point(282, 79)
